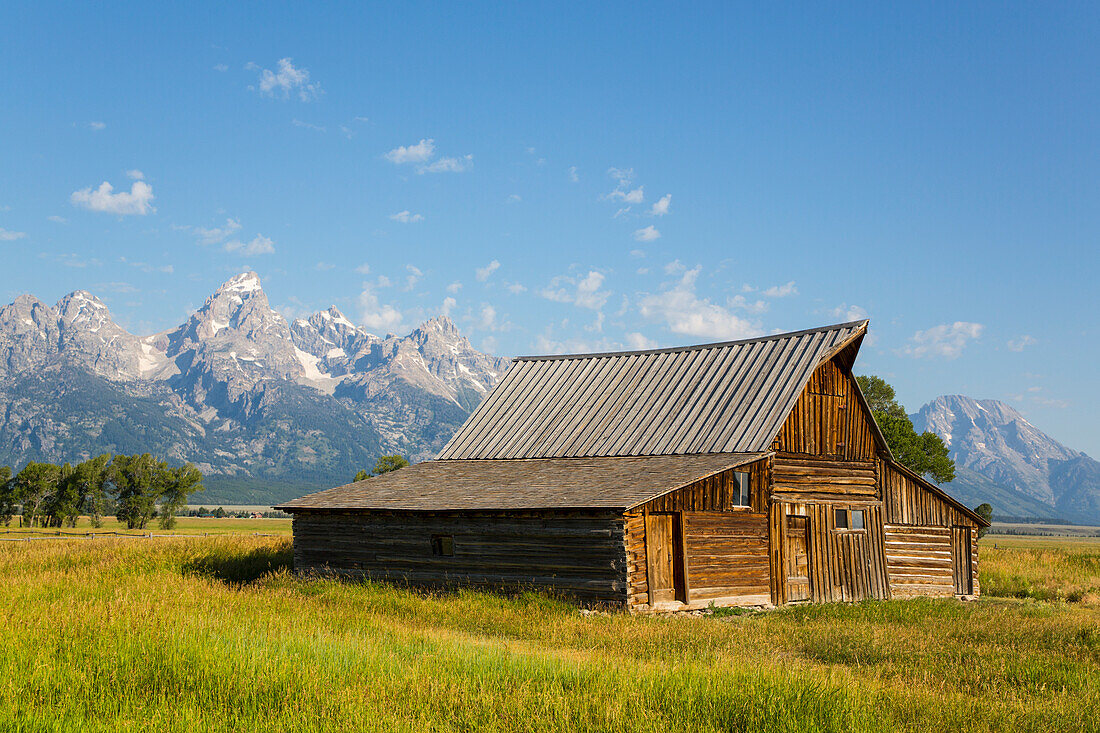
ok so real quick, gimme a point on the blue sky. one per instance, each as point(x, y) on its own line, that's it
point(627, 175)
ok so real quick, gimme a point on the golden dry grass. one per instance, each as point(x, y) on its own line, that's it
point(217, 634)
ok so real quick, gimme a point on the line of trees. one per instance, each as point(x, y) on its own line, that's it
point(137, 488)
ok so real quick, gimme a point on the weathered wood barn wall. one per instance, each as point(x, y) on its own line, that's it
point(743, 473)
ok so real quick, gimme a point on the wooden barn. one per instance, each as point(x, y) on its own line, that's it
point(740, 473)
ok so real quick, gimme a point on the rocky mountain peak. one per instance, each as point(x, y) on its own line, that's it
point(992, 439)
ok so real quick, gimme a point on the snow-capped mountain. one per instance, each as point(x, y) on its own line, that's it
point(1002, 458)
point(259, 402)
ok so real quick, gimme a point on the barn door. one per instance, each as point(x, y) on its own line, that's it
point(664, 550)
point(852, 566)
point(961, 561)
point(798, 558)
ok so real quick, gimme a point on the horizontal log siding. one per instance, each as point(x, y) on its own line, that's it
point(828, 419)
point(727, 557)
point(800, 479)
point(907, 502)
point(578, 554)
point(710, 496)
point(919, 561)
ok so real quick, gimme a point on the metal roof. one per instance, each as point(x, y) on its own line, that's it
point(729, 397)
point(540, 483)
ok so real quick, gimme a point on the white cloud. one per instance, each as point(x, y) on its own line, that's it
point(848, 312)
point(97, 126)
point(516, 288)
point(781, 291)
point(57, 219)
point(674, 267)
point(1021, 343)
point(376, 315)
point(10, 236)
point(638, 341)
point(218, 234)
point(488, 318)
point(137, 201)
point(287, 80)
point(647, 234)
point(622, 192)
point(637, 253)
point(324, 266)
point(683, 311)
point(739, 301)
point(660, 207)
point(448, 165)
point(221, 67)
point(413, 277)
point(946, 341)
point(573, 174)
point(514, 198)
point(260, 245)
point(454, 287)
point(448, 305)
point(146, 267)
point(583, 293)
point(419, 153)
point(308, 125)
point(363, 269)
point(484, 273)
point(383, 281)
point(135, 174)
point(406, 217)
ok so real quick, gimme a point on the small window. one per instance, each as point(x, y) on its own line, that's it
point(744, 494)
point(443, 545)
point(857, 519)
point(841, 518)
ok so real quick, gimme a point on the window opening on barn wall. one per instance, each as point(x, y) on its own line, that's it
point(841, 516)
point(443, 545)
point(857, 519)
point(744, 495)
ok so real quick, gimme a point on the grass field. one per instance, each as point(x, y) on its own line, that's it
point(184, 525)
point(216, 634)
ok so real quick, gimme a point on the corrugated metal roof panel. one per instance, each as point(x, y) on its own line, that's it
point(729, 397)
point(531, 483)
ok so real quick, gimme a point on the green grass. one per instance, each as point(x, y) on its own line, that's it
point(217, 634)
point(184, 525)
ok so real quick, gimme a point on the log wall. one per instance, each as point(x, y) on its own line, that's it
point(578, 554)
point(726, 546)
point(919, 523)
point(828, 419)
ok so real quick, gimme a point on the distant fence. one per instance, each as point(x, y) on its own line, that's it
point(34, 535)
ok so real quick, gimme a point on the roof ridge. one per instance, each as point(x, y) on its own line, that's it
point(694, 347)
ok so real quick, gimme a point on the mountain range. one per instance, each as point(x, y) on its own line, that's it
point(269, 409)
point(266, 408)
point(1003, 459)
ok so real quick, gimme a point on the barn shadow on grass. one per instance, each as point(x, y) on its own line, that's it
point(241, 567)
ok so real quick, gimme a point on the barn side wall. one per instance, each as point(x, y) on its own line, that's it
point(581, 555)
point(824, 461)
point(726, 548)
point(921, 555)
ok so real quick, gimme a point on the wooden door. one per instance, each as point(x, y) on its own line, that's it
point(664, 551)
point(798, 559)
point(852, 565)
point(961, 561)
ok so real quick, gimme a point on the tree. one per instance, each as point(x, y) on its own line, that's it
point(138, 483)
point(385, 464)
point(985, 511)
point(7, 496)
point(179, 484)
point(361, 475)
point(34, 488)
point(925, 453)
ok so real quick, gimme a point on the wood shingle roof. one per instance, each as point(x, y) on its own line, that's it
point(539, 483)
